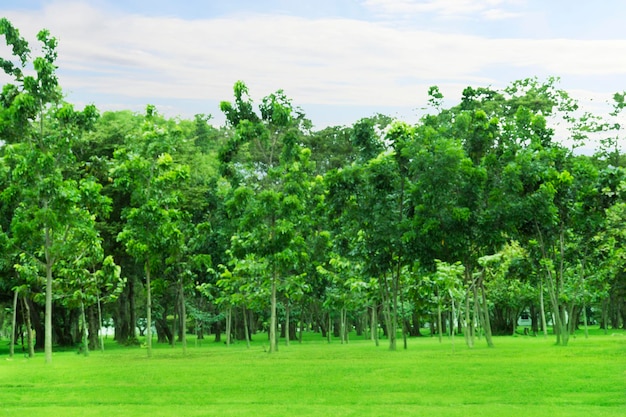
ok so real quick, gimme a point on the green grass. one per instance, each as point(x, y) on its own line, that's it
point(521, 376)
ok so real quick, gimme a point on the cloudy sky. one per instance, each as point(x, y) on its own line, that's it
point(339, 60)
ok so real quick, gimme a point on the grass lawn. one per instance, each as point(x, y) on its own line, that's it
point(521, 376)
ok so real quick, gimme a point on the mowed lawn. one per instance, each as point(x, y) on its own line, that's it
point(521, 376)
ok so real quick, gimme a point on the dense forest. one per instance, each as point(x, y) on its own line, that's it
point(267, 227)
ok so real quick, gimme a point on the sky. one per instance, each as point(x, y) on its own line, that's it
point(338, 60)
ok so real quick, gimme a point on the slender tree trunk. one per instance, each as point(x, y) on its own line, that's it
point(302, 324)
point(565, 317)
point(469, 325)
point(132, 313)
point(183, 317)
point(452, 326)
point(148, 311)
point(342, 331)
point(585, 320)
point(48, 311)
point(346, 328)
point(393, 336)
point(542, 308)
point(439, 321)
point(405, 327)
point(567, 323)
point(396, 287)
point(175, 319)
point(389, 296)
point(175, 325)
point(245, 326)
point(13, 324)
point(287, 319)
point(29, 329)
point(556, 311)
point(85, 340)
point(582, 285)
point(330, 324)
point(485, 315)
point(48, 315)
point(477, 309)
point(273, 344)
point(605, 315)
point(373, 325)
point(100, 323)
point(229, 323)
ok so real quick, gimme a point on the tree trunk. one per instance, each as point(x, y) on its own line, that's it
point(374, 324)
point(287, 319)
point(477, 315)
point(148, 310)
point(469, 324)
point(605, 315)
point(218, 332)
point(439, 321)
point(229, 323)
point(183, 317)
point(585, 320)
point(453, 319)
point(245, 326)
point(273, 344)
point(389, 296)
point(485, 315)
point(29, 329)
point(393, 330)
point(556, 310)
point(405, 327)
point(48, 313)
point(100, 324)
point(328, 331)
point(121, 319)
point(94, 334)
point(302, 323)
point(13, 324)
point(544, 324)
point(85, 340)
point(175, 324)
point(164, 333)
point(132, 313)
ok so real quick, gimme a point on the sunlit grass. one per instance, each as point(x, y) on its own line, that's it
point(521, 376)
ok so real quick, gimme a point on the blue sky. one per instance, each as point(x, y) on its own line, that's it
point(338, 60)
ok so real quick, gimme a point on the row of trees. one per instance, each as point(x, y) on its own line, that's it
point(462, 221)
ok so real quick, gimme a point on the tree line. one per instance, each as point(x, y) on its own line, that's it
point(459, 223)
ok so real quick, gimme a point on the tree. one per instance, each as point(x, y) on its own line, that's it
point(152, 232)
point(55, 206)
point(365, 202)
point(269, 173)
point(448, 283)
point(504, 283)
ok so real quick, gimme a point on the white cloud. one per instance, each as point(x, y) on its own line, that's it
point(491, 9)
point(316, 61)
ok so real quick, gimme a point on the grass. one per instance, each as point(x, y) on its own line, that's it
point(521, 376)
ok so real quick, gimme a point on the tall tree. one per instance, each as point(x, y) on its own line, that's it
point(269, 172)
point(152, 231)
point(56, 206)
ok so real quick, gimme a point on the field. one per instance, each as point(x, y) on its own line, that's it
point(521, 376)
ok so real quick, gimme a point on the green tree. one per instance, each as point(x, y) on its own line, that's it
point(56, 206)
point(448, 283)
point(152, 232)
point(269, 173)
